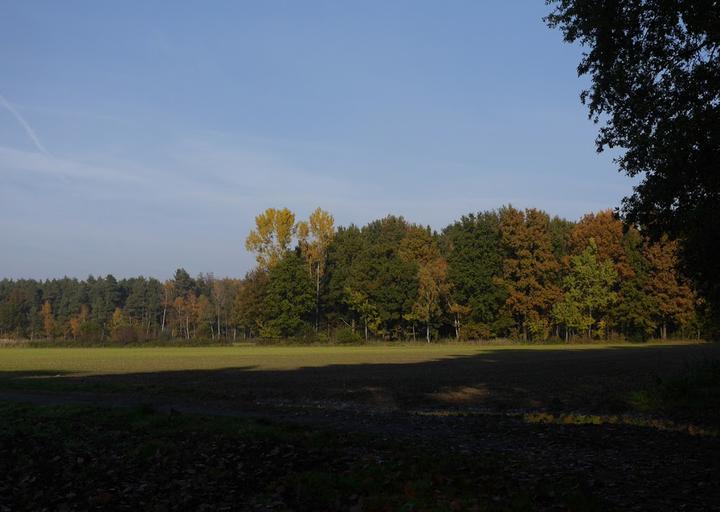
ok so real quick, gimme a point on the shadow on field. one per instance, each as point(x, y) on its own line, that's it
point(597, 380)
point(626, 463)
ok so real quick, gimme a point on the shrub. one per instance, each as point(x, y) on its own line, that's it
point(125, 334)
point(475, 331)
point(90, 332)
point(346, 336)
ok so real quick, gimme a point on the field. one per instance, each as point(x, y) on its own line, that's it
point(593, 378)
point(532, 427)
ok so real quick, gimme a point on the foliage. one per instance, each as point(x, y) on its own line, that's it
point(288, 298)
point(507, 273)
point(314, 238)
point(529, 269)
point(655, 84)
point(347, 336)
point(474, 254)
point(271, 238)
point(587, 291)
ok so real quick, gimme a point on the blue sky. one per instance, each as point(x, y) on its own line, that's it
point(137, 137)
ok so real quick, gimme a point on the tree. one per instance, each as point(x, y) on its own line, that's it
point(288, 298)
point(674, 298)
point(378, 272)
point(633, 312)
point(315, 236)
point(347, 245)
point(529, 269)
point(121, 329)
point(78, 320)
point(368, 312)
point(587, 291)
point(203, 316)
point(459, 313)
point(474, 252)
point(271, 238)
point(561, 231)
point(420, 247)
point(48, 319)
point(183, 283)
point(248, 307)
point(607, 232)
point(168, 299)
point(655, 83)
point(432, 288)
point(219, 295)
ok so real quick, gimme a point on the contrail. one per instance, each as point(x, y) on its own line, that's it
point(28, 129)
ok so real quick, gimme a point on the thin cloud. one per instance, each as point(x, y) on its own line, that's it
point(26, 126)
point(14, 160)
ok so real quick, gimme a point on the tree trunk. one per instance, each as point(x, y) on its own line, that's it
point(366, 331)
point(218, 322)
point(317, 297)
point(427, 332)
point(162, 327)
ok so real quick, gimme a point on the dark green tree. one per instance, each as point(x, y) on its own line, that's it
point(289, 298)
point(473, 250)
point(379, 273)
point(654, 67)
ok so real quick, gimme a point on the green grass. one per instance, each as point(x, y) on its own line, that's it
point(96, 361)
point(591, 379)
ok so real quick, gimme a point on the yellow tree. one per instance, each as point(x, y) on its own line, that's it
point(420, 246)
point(432, 287)
point(315, 237)
point(271, 238)
point(48, 320)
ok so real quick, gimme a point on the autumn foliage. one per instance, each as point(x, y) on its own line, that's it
point(509, 273)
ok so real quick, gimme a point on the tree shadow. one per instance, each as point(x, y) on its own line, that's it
point(596, 380)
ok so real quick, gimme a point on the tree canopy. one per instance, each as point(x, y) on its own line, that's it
point(506, 273)
point(654, 67)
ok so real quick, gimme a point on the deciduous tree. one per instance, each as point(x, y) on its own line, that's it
point(529, 269)
point(272, 236)
point(48, 320)
point(315, 237)
point(654, 68)
point(674, 298)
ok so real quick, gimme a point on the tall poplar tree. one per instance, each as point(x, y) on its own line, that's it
point(272, 236)
point(315, 237)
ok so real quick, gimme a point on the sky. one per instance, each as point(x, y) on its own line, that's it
point(139, 137)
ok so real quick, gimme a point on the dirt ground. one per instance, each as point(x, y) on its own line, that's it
point(566, 410)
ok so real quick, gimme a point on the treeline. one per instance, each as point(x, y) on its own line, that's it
point(504, 273)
